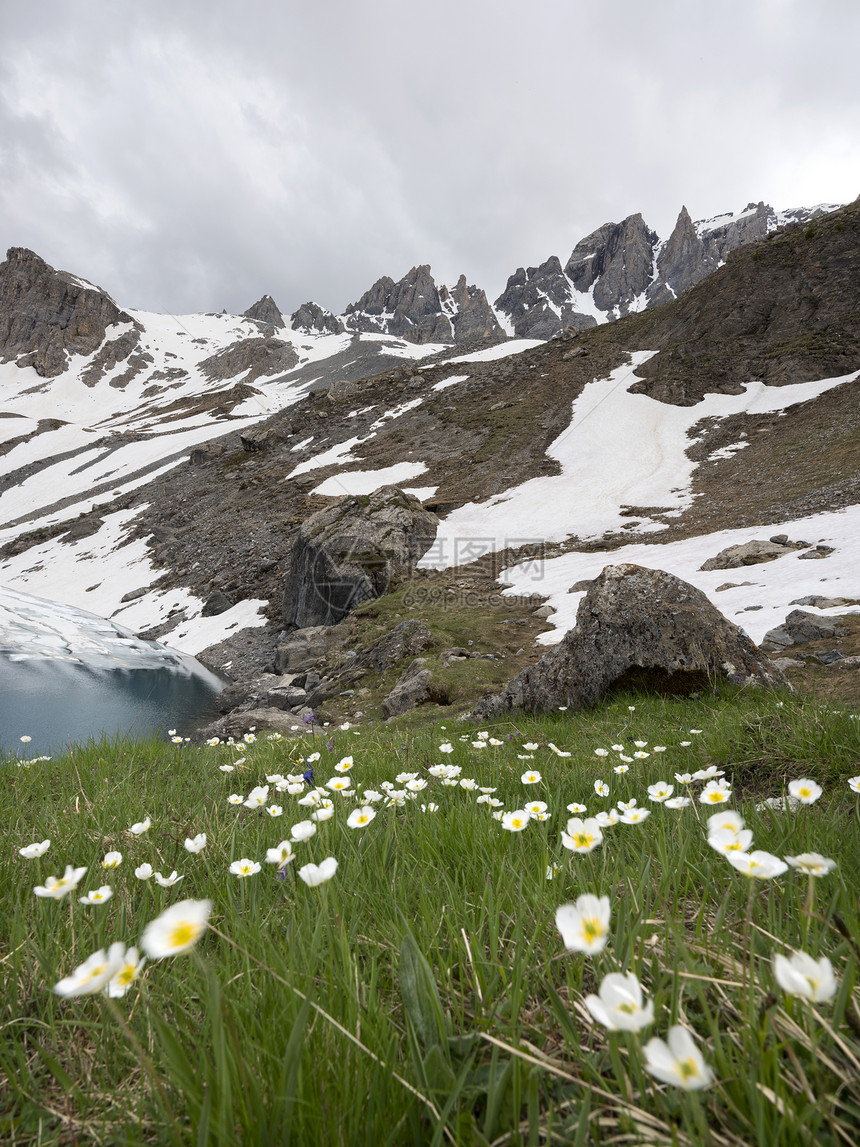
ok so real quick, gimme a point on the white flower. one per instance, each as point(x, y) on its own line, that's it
point(658, 748)
point(468, 783)
point(31, 851)
point(695, 732)
point(234, 798)
point(641, 744)
point(551, 870)
point(177, 929)
point(601, 788)
point(94, 973)
point(274, 810)
point(854, 784)
point(402, 778)
point(640, 755)
point(530, 746)
point(196, 843)
point(245, 867)
point(292, 787)
point(715, 792)
point(584, 926)
point(343, 765)
point(618, 748)
point(660, 791)
point(257, 797)
point(626, 806)
point(531, 778)
point(314, 874)
point(483, 735)
point(430, 807)
point(312, 758)
point(620, 769)
point(811, 863)
point(601, 752)
point(339, 784)
point(677, 802)
point(516, 821)
point(761, 865)
point(724, 840)
point(143, 872)
point(619, 1004)
point(684, 778)
point(371, 796)
point(708, 773)
point(495, 741)
point(141, 827)
point(558, 752)
point(479, 744)
point(582, 835)
point(213, 741)
point(728, 819)
point(686, 744)
point(679, 1062)
point(225, 768)
point(801, 975)
point(281, 855)
point(127, 973)
point(323, 813)
point(635, 815)
point(112, 860)
point(168, 881)
point(605, 819)
point(447, 747)
point(417, 785)
point(359, 817)
point(533, 807)
point(577, 808)
point(97, 896)
point(805, 790)
point(56, 887)
point(304, 830)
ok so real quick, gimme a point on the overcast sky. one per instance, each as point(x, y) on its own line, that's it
point(195, 154)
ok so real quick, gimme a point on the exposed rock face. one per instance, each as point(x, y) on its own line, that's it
point(302, 649)
point(266, 310)
point(409, 637)
point(635, 624)
point(798, 628)
point(538, 301)
point(414, 688)
point(48, 315)
point(316, 320)
point(262, 356)
point(410, 309)
point(351, 552)
point(472, 316)
point(615, 262)
point(624, 267)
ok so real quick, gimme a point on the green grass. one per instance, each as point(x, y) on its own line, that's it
point(424, 995)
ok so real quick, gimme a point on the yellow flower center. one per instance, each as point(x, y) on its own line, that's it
point(183, 934)
point(687, 1068)
point(628, 1009)
point(583, 839)
point(592, 929)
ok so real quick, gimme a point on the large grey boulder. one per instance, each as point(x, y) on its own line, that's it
point(415, 687)
point(746, 554)
point(407, 639)
point(303, 649)
point(798, 628)
point(353, 551)
point(636, 625)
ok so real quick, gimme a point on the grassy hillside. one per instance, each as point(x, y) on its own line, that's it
point(424, 994)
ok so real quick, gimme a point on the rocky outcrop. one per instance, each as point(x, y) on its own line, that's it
point(615, 264)
point(409, 309)
point(538, 302)
point(266, 311)
point(798, 628)
point(315, 320)
point(748, 554)
point(636, 626)
point(409, 638)
point(259, 356)
point(351, 552)
point(415, 687)
point(46, 315)
point(471, 315)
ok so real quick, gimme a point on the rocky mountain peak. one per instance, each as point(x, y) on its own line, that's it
point(472, 317)
point(615, 263)
point(266, 310)
point(47, 315)
point(315, 320)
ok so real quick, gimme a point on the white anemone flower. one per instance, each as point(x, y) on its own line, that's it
point(144, 871)
point(447, 747)
point(314, 874)
point(56, 887)
point(635, 815)
point(304, 830)
point(516, 820)
point(31, 851)
point(97, 896)
point(661, 791)
point(274, 810)
point(678, 1062)
point(257, 797)
point(168, 881)
point(582, 835)
point(177, 929)
point(802, 975)
point(323, 813)
point(533, 807)
point(684, 778)
point(94, 974)
point(601, 788)
point(601, 752)
point(141, 827)
point(128, 972)
point(724, 840)
point(760, 865)
point(577, 808)
point(606, 819)
point(715, 792)
point(805, 790)
point(677, 802)
point(532, 777)
point(812, 863)
point(584, 926)
point(195, 843)
point(728, 819)
point(530, 746)
point(620, 769)
point(112, 860)
point(708, 774)
point(235, 798)
point(281, 855)
point(618, 1006)
point(343, 765)
point(854, 784)
point(359, 817)
point(245, 867)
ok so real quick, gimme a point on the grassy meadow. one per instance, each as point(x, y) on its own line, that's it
point(424, 994)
